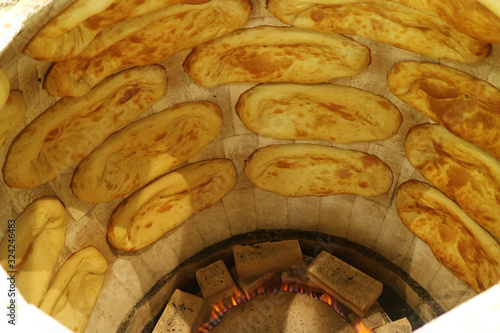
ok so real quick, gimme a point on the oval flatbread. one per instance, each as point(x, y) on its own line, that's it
point(467, 106)
point(165, 203)
point(422, 30)
point(75, 289)
point(466, 173)
point(12, 108)
point(143, 41)
point(70, 31)
point(456, 240)
point(317, 112)
point(276, 54)
point(144, 150)
point(40, 234)
point(70, 129)
point(296, 170)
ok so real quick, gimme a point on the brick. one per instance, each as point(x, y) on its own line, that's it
point(297, 277)
point(184, 313)
point(215, 281)
point(355, 289)
point(269, 257)
point(251, 285)
point(398, 326)
point(374, 318)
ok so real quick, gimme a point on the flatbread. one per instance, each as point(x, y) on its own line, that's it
point(40, 234)
point(70, 129)
point(318, 112)
point(456, 240)
point(406, 24)
point(466, 173)
point(296, 170)
point(159, 207)
point(12, 108)
point(276, 54)
point(466, 105)
point(71, 31)
point(144, 150)
point(75, 289)
point(143, 41)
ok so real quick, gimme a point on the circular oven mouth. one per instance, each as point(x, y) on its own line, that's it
point(402, 296)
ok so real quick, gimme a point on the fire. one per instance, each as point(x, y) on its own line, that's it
point(222, 306)
point(361, 328)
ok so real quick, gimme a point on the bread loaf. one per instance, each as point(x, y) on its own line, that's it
point(144, 150)
point(143, 41)
point(70, 129)
point(157, 208)
point(69, 32)
point(75, 289)
point(456, 240)
point(40, 234)
point(295, 170)
point(467, 106)
point(417, 26)
point(276, 54)
point(317, 112)
point(12, 108)
point(466, 173)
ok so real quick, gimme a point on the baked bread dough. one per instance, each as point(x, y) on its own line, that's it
point(40, 234)
point(467, 106)
point(159, 207)
point(296, 170)
point(70, 129)
point(69, 32)
point(407, 24)
point(317, 112)
point(144, 150)
point(75, 289)
point(466, 173)
point(276, 54)
point(12, 108)
point(456, 240)
point(143, 41)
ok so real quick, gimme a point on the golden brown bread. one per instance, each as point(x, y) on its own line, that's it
point(12, 108)
point(317, 111)
point(145, 40)
point(40, 234)
point(466, 173)
point(70, 129)
point(417, 26)
point(456, 240)
point(75, 289)
point(295, 170)
point(168, 201)
point(69, 32)
point(276, 54)
point(144, 150)
point(467, 106)
point(494, 7)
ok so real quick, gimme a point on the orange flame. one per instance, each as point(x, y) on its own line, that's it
point(361, 328)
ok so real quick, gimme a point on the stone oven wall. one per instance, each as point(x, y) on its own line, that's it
point(371, 222)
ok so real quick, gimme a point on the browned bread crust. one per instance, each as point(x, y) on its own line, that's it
point(456, 240)
point(165, 203)
point(466, 173)
point(430, 27)
point(143, 41)
point(276, 54)
point(295, 170)
point(467, 106)
point(70, 129)
point(144, 150)
point(317, 112)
